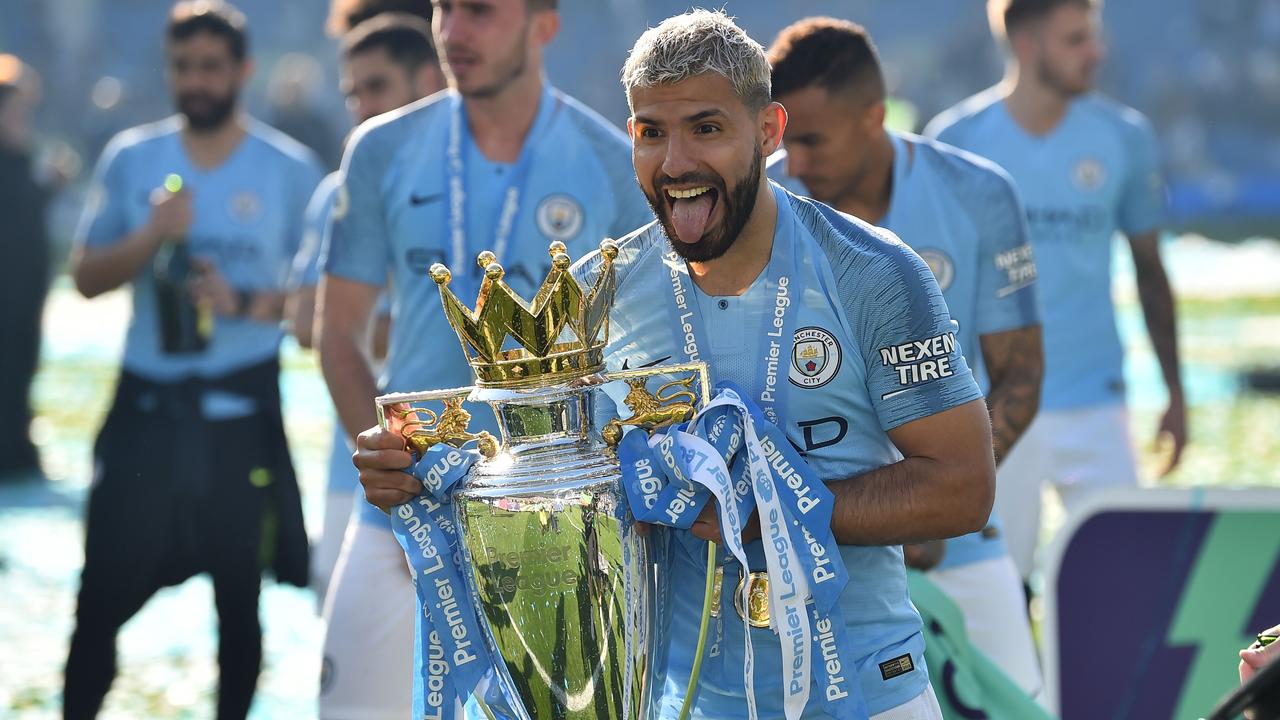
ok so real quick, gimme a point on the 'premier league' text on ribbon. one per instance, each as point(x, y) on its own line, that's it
point(452, 654)
point(804, 584)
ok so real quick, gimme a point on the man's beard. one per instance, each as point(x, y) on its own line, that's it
point(1055, 81)
point(835, 191)
point(206, 112)
point(511, 68)
point(738, 207)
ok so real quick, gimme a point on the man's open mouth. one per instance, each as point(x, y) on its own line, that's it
point(691, 209)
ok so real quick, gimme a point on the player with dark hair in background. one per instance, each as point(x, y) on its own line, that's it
point(961, 214)
point(1086, 167)
point(501, 162)
point(388, 61)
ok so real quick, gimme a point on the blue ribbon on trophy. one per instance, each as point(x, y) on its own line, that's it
point(670, 476)
point(451, 656)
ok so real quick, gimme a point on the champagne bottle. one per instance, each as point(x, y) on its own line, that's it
point(185, 326)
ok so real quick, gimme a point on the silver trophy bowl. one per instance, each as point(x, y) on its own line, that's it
point(571, 586)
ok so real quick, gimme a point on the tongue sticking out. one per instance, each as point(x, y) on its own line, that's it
point(690, 216)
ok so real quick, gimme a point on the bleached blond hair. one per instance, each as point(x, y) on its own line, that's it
point(696, 43)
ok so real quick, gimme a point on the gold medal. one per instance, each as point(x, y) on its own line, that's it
point(757, 610)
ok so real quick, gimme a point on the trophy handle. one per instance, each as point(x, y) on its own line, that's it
point(674, 402)
point(423, 427)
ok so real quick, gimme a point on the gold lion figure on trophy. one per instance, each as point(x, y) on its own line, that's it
point(449, 428)
point(652, 410)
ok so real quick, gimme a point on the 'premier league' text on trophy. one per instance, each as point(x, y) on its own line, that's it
point(567, 592)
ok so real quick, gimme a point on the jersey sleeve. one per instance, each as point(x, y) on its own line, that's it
point(1142, 202)
point(359, 246)
point(306, 185)
point(1007, 268)
point(104, 221)
point(914, 363)
point(306, 263)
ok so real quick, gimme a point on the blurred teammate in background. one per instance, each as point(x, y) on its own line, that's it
point(24, 275)
point(388, 61)
point(1086, 167)
point(533, 166)
point(961, 214)
point(192, 463)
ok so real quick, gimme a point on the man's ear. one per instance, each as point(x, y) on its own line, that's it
point(246, 71)
point(873, 118)
point(1023, 42)
point(631, 128)
point(545, 26)
point(773, 123)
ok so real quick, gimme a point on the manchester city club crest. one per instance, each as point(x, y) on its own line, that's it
point(944, 271)
point(245, 207)
point(1088, 174)
point(815, 358)
point(559, 217)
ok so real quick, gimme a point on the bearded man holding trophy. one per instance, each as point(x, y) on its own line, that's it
point(558, 572)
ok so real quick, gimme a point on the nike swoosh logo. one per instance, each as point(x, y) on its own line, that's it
point(896, 393)
point(416, 199)
point(627, 361)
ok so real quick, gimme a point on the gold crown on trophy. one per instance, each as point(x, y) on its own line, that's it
point(561, 334)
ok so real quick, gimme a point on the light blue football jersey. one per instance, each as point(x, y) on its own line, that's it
point(247, 218)
point(315, 230)
point(962, 215)
point(306, 273)
point(964, 218)
point(871, 311)
point(1095, 173)
point(392, 217)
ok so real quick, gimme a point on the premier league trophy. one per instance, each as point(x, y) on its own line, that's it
point(571, 589)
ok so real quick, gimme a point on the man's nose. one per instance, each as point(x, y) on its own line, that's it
point(678, 160)
point(451, 28)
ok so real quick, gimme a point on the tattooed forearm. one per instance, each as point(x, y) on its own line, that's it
point(1015, 366)
point(1157, 307)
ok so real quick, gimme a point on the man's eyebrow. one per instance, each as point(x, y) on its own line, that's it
point(696, 117)
point(699, 116)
